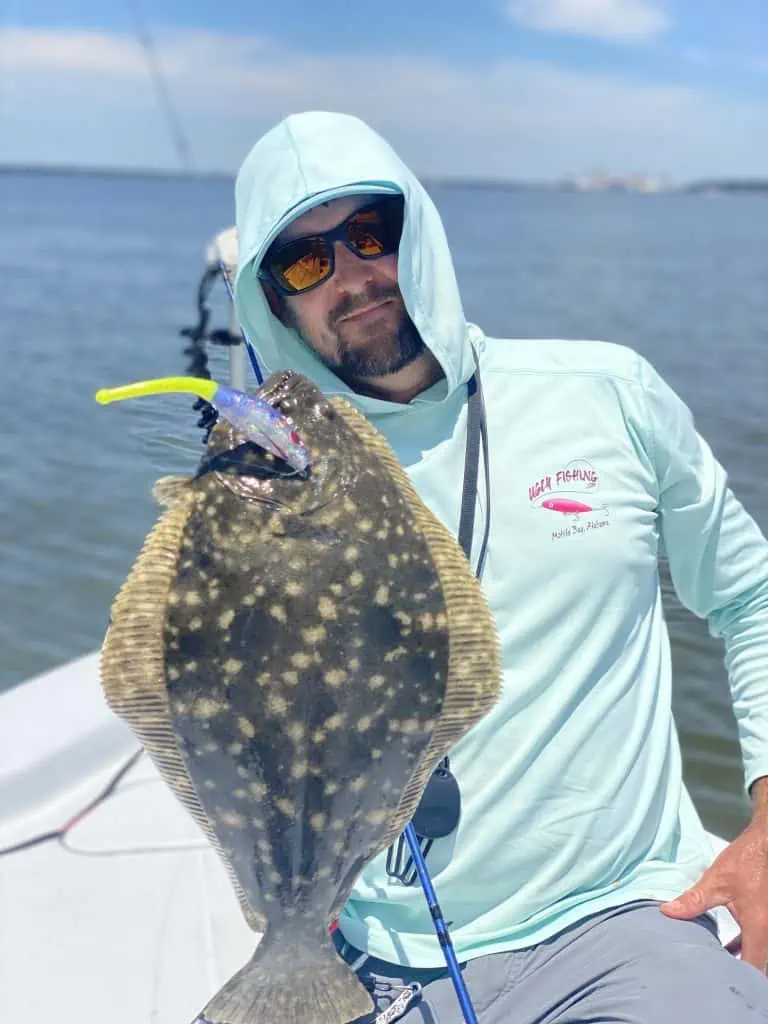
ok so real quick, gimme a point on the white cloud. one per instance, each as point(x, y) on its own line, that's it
point(84, 98)
point(603, 19)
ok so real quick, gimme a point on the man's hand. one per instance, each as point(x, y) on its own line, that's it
point(737, 880)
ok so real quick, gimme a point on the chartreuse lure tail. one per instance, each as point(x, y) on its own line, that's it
point(258, 420)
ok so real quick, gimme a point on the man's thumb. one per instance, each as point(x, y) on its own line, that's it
point(691, 903)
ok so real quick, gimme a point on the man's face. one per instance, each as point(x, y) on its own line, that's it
point(356, 321)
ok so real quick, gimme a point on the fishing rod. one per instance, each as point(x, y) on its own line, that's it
point(441, 928)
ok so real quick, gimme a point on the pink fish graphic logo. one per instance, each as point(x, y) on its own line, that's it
point(572, 491)
point(567, 506)
point(572, 507)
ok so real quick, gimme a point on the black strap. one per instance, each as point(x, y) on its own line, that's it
point(440, 804)
point(477, 434)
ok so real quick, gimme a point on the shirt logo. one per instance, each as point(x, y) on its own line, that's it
point(572, 493)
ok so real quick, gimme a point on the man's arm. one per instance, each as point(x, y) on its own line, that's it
point(718, 561)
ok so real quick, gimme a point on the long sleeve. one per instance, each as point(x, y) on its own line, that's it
point(718, 559)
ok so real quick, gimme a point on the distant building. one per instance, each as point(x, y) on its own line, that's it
point(599, 181)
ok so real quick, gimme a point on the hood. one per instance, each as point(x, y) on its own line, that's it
point(314, 157)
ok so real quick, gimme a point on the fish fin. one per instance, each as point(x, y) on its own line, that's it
point(294, 984)
point(132, 668)
point(169, 489)
point(474, 660)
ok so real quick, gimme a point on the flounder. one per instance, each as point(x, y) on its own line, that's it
point(297, 653)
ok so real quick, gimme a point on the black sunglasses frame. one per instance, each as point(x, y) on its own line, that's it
point(329, 238)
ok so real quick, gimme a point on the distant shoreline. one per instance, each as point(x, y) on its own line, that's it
point(709, 186)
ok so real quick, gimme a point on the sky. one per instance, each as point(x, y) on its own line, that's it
point(511, 89)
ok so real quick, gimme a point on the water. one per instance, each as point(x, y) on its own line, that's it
point(99, 273)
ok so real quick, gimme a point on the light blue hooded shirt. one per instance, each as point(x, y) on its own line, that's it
point(573, 799)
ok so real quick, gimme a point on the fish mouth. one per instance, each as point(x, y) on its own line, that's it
point(246, 470)
point(252, 474)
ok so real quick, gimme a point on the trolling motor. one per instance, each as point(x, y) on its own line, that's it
point(220, 261)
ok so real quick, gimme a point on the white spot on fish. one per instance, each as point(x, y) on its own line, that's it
point(233, 819)
point(226, 618)
point(335, 721)
point(335, 676)
point(327, 608)
point(246, 727)
point(276, 704)
point(278, 612)
point(314, 634)
point(395, 654)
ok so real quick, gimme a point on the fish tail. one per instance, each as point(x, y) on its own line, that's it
point(293, 983)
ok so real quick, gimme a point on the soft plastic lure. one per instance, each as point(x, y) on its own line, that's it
point(258, 420)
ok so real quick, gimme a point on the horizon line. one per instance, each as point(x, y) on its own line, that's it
point(570, 181)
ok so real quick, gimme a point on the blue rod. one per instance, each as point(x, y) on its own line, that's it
point(440, 926)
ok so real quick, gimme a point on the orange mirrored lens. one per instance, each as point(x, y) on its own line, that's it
point(306, 271)
point(365, 232)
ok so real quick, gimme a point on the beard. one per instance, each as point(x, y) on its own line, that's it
point(385, 351)
point(385, 346)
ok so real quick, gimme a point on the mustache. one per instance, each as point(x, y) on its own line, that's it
point(348, 304)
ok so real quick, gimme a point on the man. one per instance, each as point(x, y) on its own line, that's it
point(577, 880)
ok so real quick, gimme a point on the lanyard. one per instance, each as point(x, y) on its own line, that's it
point(439, 809)
point(477, 434)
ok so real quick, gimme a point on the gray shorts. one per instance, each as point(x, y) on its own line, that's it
point(631, 965)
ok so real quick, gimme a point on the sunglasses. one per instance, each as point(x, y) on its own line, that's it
point(304, 263)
